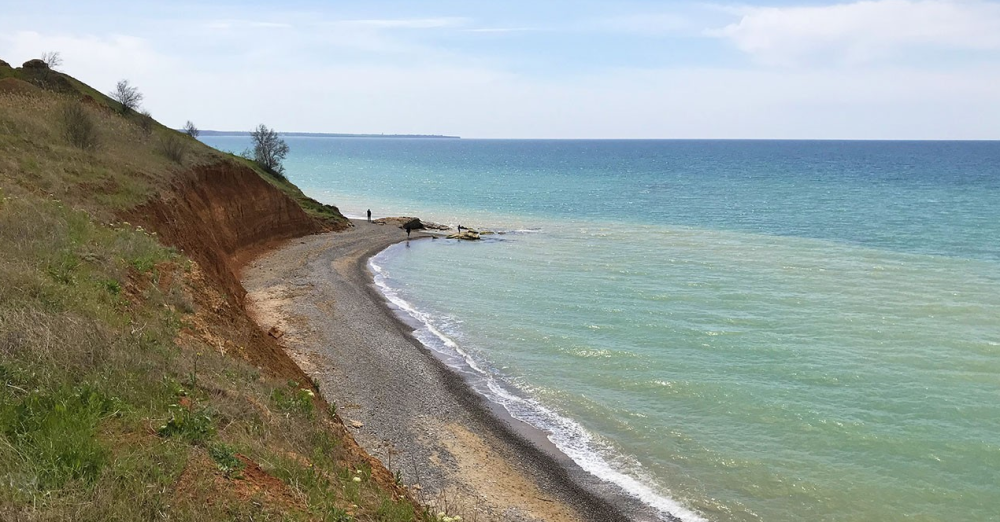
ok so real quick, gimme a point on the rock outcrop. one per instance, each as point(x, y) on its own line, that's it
point(435, 226)
point(405, 223)
point(413, 224)
point(35, 64)
point(4, 64)
point(468, 235)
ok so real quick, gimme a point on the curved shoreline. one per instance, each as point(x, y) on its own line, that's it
point(413, 412)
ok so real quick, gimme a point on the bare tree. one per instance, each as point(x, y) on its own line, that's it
point(127, 95)
point(269, 149)
point(191, 130)
point(52, 59)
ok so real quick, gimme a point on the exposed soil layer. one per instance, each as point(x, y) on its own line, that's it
point(222, 215)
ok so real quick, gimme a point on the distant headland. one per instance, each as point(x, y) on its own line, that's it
point(332, 135)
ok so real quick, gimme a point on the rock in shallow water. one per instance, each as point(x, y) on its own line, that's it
point(468, 235)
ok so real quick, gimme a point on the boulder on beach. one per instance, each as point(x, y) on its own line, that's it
point(404, 223)
point(413, 224)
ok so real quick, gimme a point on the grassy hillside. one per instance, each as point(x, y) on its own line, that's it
point(132, 384)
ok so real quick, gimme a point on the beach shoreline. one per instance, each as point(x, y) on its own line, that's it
point(457, 451)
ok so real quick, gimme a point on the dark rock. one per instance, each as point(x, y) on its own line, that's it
point(35, 64)
point(413, 224)
point(4, 64)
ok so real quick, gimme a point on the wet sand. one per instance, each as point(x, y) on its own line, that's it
point(459, 453)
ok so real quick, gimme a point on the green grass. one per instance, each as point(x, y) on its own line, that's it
point(112, 407)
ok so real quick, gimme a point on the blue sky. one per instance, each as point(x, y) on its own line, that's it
point(872, 69)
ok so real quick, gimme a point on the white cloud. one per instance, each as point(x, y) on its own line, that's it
point(503, 30)
point(645, 24)
point(377, 79)
point(105, 59)
point(246, 24)
point(863, 31)
point(404, 23)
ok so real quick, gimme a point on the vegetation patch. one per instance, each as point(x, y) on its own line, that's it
point(117, 400)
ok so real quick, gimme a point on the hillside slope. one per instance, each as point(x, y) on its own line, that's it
point(133, 385)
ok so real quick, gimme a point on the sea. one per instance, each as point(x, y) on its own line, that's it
point(727, 330)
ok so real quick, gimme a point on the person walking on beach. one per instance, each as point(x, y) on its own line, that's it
point(369, 215)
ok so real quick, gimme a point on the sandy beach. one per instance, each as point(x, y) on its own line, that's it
point(456, 451)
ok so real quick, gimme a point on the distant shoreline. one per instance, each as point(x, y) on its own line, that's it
point(333, 135)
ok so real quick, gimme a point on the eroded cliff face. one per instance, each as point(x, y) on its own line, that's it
point(221, 216)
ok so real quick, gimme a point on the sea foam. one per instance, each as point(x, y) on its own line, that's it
point(588, 451)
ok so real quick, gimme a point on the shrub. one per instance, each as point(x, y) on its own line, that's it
point(225, 458)
point(174, 148)
point(191, 130)
point(193, 426)
point(146, 123)
point(78, 125)
point(294, 399)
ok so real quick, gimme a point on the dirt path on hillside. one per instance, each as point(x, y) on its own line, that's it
point(401, 403)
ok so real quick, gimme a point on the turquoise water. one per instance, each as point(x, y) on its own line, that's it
point(775, 331)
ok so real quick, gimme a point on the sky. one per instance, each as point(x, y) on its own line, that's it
point(870, 69)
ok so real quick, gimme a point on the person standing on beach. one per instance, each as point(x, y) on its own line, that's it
point(369, 215)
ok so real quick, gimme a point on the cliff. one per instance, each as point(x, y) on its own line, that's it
point(135, 384)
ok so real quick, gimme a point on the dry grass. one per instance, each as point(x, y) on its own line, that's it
point(174, 148)
point(35, 154)
point(78, 125)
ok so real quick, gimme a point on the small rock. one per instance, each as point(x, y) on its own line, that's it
point(356, 425)
point(276, 332)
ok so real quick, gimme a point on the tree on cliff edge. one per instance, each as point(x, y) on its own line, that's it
point(269, 150)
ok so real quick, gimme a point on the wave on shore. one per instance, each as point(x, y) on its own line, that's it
point(572, 439)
